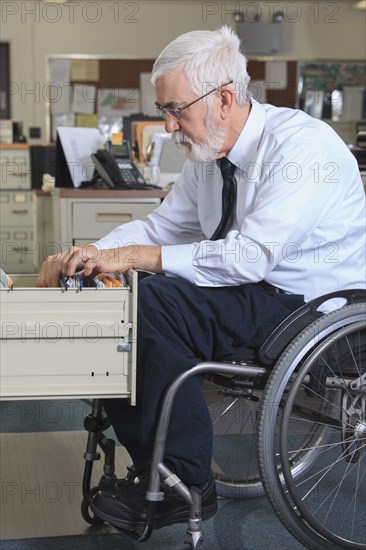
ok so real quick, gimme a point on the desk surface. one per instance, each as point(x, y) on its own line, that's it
point(14, 146)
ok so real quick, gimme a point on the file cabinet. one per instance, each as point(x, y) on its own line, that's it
point(16, 213)
point(82, 216)
point(67, 345)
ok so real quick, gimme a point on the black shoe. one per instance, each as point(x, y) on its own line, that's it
point(127, 509)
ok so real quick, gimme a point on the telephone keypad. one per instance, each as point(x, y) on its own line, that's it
point(128, 173)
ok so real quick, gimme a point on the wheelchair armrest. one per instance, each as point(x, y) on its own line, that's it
point(299, 320)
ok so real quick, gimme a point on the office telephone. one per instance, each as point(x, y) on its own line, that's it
point(115, 167)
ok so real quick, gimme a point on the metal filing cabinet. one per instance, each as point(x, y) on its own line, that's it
point(16, 231)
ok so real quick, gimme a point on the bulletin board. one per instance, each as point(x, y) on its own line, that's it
point(92, 91)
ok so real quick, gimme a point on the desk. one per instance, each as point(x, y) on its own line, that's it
point(81, 216)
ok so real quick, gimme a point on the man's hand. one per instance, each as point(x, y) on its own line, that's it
point(93, 261)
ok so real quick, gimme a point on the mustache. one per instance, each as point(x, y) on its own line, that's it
point(180, 137)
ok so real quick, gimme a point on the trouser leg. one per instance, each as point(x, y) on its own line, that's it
point(179, 325)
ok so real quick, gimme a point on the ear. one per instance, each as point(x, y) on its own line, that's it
point(226, 101)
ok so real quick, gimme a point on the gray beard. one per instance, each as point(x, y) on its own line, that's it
point(208, 149)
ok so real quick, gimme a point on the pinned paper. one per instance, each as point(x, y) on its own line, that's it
point(60, 71)
point(276, 75)
point(118, 102)
point(84, 99)
point(85, 70)
point(87, 121)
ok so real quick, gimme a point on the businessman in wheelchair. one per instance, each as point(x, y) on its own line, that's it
point(267, 215)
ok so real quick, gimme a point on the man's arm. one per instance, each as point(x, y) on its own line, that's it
point(175, 221)
point(93, 261)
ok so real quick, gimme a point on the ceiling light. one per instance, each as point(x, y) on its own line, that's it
point(360, 5)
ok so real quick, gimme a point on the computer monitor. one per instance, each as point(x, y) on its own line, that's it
point(168, 156)
point(172, 158)
point(74, 147)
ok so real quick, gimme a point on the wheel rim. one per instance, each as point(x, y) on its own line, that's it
point(331, 498)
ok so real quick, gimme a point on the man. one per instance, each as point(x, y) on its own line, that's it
point(236, 246)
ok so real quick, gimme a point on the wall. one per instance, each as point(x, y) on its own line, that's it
point(141, 28)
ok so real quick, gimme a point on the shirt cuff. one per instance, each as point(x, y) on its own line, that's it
point(177, 261)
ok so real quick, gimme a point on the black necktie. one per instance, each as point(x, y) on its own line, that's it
point(228, 195)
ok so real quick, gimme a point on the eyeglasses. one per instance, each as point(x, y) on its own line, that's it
point(176, 112)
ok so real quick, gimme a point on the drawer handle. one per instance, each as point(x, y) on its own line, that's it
point(18, 175)
point(19, 211)
point(113, 217)
point(19, 248)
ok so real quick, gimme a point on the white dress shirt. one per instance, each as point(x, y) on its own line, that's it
point(299, 218)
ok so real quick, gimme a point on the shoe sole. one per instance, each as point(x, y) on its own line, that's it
point(136, 526)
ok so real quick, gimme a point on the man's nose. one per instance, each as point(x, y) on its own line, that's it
point(171, 124)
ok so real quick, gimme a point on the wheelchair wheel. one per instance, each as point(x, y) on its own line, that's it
point(319, 381)
point(234, 461)
point(234, 457)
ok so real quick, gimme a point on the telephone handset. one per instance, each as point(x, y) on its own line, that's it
point(116, 168)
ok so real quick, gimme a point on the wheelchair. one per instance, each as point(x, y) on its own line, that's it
point(289, 423)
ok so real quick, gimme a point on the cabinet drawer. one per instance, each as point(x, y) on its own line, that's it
point(16, 209)
point(93, 221)
point(15, 169)
point(70, 344)
point(17, 256)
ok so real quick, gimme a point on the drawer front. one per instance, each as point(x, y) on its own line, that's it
point(15, 169)
point(92, 221)
point(17, 264)
point(17, 256)
point(16, 209)
point(61, 368)
point(18, 249)
point(67, 344)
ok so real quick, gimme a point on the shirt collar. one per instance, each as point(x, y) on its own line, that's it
point(248, 141)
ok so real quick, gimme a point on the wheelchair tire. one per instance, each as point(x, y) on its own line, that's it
point(320, 379)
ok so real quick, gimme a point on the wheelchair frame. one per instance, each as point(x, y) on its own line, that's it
point(299, 341)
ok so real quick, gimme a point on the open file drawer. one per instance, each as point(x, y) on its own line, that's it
point(74, 343)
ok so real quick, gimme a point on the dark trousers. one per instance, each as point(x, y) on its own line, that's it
point(179, 325)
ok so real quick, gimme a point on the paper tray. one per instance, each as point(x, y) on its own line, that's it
point(67, 344)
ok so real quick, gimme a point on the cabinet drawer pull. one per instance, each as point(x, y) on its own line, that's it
point(19, 248)
point(19, 211)
point(113, 217)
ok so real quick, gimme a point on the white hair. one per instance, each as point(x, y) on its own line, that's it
point(208, 59)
